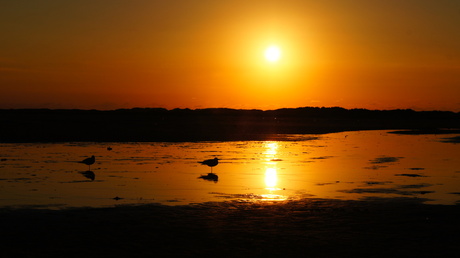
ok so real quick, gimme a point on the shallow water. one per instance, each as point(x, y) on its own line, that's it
point(348, 165)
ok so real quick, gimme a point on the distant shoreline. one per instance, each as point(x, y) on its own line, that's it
point(212, 124)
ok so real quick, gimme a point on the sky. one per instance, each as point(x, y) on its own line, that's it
point(110, 54)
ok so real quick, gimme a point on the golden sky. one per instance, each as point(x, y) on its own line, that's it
point(109, 54)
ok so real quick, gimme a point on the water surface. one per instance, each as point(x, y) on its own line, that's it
point(348, 165)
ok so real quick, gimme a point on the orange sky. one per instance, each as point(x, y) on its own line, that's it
point(109, 54)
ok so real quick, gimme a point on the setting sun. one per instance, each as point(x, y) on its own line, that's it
point(272, 54)
point(230, 54)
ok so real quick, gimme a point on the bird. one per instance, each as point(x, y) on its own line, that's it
point(210, 162)
point(89, 161)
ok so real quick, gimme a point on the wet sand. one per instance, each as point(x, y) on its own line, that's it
point(401, 227)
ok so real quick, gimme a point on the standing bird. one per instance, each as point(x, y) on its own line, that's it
point(89, 161)
point(210, 162)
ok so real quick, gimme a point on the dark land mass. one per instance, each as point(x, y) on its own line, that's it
point(400, 227)
point(215, 124)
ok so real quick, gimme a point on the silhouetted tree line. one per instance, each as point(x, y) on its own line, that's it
point(159, 124)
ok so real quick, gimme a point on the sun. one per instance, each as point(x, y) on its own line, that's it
point(272, 54)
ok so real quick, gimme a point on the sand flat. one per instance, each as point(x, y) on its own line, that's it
point(397, 227)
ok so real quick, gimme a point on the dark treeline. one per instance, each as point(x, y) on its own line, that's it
point(212, 124)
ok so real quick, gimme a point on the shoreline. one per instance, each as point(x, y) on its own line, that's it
point(256, 137)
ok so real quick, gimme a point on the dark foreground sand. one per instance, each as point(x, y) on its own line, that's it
point(305, 228)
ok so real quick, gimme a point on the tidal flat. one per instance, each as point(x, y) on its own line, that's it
point(344, 166)
point(350, 194)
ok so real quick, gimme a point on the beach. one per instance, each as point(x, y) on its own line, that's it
point(397, 226)
point(393, 227)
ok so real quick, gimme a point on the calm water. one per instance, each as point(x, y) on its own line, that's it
point(349, 165)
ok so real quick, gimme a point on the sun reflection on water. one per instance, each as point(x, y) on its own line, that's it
point(271, 183)
point(271, 179)
point(271, 174)
point(271, 149)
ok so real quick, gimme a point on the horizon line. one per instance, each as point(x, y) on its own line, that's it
point(226, 108)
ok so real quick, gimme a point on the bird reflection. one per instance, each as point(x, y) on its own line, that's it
point(89, 174)
point(210, 177)
point(89, 161)
point(210, 163)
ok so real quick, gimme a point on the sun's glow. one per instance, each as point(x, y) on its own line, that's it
point(273, 54)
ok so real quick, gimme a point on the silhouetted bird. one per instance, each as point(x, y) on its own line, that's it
point(210, 162)
point(89, 161)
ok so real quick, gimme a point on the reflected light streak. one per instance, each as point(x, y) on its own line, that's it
point(272, 150)
point(271, 175)
point(271, 181)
